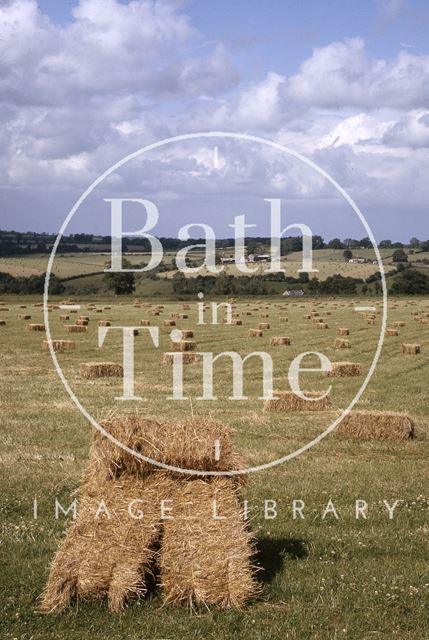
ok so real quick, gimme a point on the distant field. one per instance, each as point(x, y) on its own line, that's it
point(328, 261)
point(322, 578)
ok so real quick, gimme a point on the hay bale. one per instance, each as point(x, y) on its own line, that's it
point(410, 349)
point(345, 369)
point(35, 327)
point(188, 444)
point(74, 328)
point(84, 318)
point(105, 556)
point(64, 317)
point(284, 319)
point(2, 323)
point(187, 333)
point(82, 323)
point(101, 370)
point(103, 323)
point(255, 333)
point(169, 323)
point(392, 332)
point(377, 425)
point(288, 401)
point(264, 325)
point(184, 345)
point(343, 331)
point(187, 358)
point(145, 323)
point(399, 323)
point(280, 340)
point(23, 316)
point(60, 345)
point(237, 323)
point(322, 325)
point(207, 561)
point(342, 344)
point(183, 316)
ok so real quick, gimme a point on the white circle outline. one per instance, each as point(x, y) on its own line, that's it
point(236, 136)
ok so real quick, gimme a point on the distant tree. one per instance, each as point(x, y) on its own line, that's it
point(365, 243)
point(399, 256)
point(411, 282)
point(385, 244)
point(347, 254)
point(335, 243)
point(119, 282)
point(415, 243)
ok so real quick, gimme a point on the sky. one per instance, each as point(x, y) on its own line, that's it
point(346, 84)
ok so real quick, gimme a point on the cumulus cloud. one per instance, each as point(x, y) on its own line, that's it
point(76, 97)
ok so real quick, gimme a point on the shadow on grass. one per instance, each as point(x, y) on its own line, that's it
point(272, 552)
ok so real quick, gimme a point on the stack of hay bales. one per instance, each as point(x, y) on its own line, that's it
point(101, 370)
point(289, 401)
point(377, 425)
point(255, 333)
point(60, 345)
point(280, 340)
point(345, 369)
point(74, 328)
point(340, 343)
point(411, 349)
point(35, 327)
point(201, 559)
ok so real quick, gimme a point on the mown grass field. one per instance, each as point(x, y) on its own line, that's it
point(322, 578)
point(328, 261)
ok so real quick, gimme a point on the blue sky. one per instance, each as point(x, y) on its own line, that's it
point(84, 83)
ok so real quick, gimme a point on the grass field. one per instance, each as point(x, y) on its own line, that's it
point(322, 578)
point(328, 261)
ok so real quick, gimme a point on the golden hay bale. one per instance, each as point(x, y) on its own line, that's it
point(183, 316)
point(184, 345)
point(155, 313)
point(98, 310)
point(284, 319)
point(187, 358)
point(169, 323)
point(411, 349)
point(84, 318)
point(22, 306)
point(322, 325)
point(343, 331)
point(280, 340)
point(376, 425)
point(64, 317)
point(255, 333)
point(35, 327)
point(23, 316)
point(74, 328)
point(101, 370)
point(264, 325)
point(399, 323)
point(237, 322)
point(82, 323)
point(188, 444)
point(4, 308)
point(187, 333)
point(342, 344)
point(345, 369)
point(185, 307)
point(370, 321)
point(103, 323)
point(392, 332)
point(2, 323)
point(288, 401)
point(424, 321)
point(109, 556)
point(107, 308)
point(145, 323)
point(60, 345)
point(206, 548)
